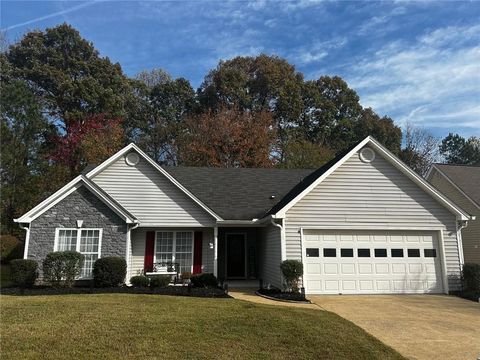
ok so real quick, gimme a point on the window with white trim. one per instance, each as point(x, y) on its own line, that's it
point(85, 241)
point(176, 247)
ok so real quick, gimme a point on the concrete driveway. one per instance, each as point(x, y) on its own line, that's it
point(417, 326)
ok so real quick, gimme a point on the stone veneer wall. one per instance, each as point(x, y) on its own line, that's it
point(79, 205)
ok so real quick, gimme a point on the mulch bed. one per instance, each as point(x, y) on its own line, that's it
point(170, 290)
point(281, 295)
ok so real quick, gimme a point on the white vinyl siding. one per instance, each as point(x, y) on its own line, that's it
point(270, 256)
point(373, 195)
point(150, 196)
point(470, 234)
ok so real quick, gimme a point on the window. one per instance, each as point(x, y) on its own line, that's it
point(85, 241)
point(363, 252)
point(313, 252)
point(413, 252)
point(346, 252)
point(380, 252)
point(397, 252)
point(430, 252)
point(176, 247)
point(329, 252)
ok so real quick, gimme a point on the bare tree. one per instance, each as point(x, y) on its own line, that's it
point(153, 77)
point(421, 148)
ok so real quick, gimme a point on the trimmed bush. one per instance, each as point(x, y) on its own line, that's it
point(61, 268)
point(160, 281)
point(292, 270)
point(109, 271)
point(471, 278)
point(205, 280)
point(139, 281)
point(10, 248)
point(23, 272)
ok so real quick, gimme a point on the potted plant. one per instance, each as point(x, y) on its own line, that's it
point(186, 275)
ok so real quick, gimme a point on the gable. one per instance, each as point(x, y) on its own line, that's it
point(149, 195)
point(364, 193)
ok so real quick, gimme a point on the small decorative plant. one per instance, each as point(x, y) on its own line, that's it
point(109, 271)
point(160, 281)
point(292, 270)
point(23, 272)
point(204, 280)
point(139, 281)
point(61, 268)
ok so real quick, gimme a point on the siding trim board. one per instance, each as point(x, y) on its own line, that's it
point(418, 180)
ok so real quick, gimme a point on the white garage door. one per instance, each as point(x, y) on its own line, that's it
point(355, 262)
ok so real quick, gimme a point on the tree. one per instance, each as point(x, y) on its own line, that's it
point(88, 142)
point(302, 154)
point(421, 149)
point(154, 77)
point(24, 144)
point(228, 138)
point(68, 74)
point(257, 84)
point(458, 150)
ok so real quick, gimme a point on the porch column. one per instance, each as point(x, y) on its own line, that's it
point(215, 251)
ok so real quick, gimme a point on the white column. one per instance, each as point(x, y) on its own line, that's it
point(127, 253)
point(215, 251)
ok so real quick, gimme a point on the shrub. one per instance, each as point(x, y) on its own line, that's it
point(204, 280)
point(23, 272)
point(471, 278)
point(109, 271)
point(60, 268)
point(292, 270)
point(10, 248)
point(160, 281)
point(139, 281)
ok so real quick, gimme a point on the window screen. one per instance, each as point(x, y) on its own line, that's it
point(313, 252)
point(67, 240)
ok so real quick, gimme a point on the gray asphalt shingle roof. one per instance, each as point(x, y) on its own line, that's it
point(238, 193)
point(466, 177)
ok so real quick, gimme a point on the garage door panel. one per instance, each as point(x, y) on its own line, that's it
point(372, 269)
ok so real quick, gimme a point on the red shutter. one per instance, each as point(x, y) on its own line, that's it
point(149, 249)
point(197, 252)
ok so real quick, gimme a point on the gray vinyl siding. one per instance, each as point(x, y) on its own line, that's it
point(138, 248)
point(371, 196)
point(150, 196)
point(470, 234)
point(270, 255)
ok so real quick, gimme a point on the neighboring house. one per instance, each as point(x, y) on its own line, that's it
point(363, 223)
point(461, 184)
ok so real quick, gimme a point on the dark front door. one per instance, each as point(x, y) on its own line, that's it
point(235, 255)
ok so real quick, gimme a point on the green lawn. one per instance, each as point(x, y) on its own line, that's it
point(152, 326)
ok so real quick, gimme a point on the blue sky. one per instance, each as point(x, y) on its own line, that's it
point(413, 61)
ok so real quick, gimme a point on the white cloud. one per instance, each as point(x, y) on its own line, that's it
point(425, 82)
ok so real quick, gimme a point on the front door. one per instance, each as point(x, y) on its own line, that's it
point(235, 255)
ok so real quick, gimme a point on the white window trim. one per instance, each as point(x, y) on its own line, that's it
point(77, 244)
point(174, 245)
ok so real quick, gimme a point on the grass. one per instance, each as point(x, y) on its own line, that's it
point(5, 276)
point(151, 326)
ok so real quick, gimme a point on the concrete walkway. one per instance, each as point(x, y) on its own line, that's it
point(417, 326)
point(248, 294)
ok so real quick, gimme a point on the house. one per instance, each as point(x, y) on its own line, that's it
point(461, 184)
point(362, 223)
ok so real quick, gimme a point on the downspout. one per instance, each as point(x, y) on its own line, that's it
point(461, 225)
point(27, 240)
point(128, 245)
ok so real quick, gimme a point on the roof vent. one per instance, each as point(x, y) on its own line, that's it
point(272, 197)
point(132, 159)
point(367, 155)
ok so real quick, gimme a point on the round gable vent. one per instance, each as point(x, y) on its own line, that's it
point(367, 155)
point(132, 159)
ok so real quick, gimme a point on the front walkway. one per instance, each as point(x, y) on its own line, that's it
point(417, 326)
point(248, 294)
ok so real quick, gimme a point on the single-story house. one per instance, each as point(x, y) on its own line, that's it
point(461, 184)
point(362, 223)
